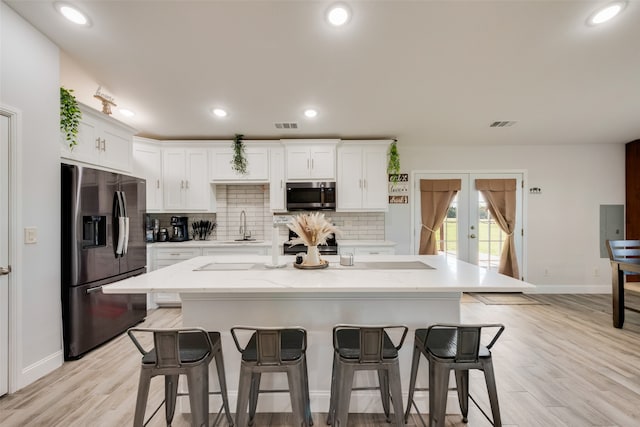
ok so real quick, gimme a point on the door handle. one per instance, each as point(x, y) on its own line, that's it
point(473, 236)
point(5, 270)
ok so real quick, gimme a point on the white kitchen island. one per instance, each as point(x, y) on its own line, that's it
point(219, 292)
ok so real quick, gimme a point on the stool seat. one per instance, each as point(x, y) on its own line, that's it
point(192, 348)
point(443, 343)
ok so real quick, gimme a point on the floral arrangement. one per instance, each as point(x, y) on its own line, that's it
point(312, 229)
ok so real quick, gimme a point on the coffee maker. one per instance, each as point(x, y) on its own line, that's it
point(180, 226)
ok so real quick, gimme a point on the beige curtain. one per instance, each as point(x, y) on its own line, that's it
point(500, 195)
point(435, 197)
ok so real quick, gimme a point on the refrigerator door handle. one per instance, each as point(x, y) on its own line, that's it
point(114, 222)
point(94, 290)
point(126, 235)
point(119, 250)
point(125, 246)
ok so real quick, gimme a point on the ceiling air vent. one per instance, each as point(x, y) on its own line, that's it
point(286, 125)
point(502, 124)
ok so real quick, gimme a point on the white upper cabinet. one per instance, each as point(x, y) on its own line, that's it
point(310, 159)
point(276, 179)
point(257, 163)
point(185, 179)
point(362, 176)
point(147, 164)
point(102, 141)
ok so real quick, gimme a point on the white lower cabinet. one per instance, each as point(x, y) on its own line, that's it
point(164, 257)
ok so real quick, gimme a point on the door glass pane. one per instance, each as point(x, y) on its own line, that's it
point(490, 237)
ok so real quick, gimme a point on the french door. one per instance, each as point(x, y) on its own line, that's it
point(469, 233)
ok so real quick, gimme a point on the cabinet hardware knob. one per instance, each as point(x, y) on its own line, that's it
point(5, 270)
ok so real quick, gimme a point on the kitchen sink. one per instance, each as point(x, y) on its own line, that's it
point(242, 241)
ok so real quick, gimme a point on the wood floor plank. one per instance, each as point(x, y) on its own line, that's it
point(558, 363)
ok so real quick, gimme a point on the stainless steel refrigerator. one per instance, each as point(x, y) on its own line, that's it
point(103, 241)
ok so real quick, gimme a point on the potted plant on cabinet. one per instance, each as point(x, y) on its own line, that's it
point(70, 116)
point(239, 160)
point(393, 164)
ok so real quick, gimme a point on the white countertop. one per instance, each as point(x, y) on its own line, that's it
point(448, 275)
point(260, 243)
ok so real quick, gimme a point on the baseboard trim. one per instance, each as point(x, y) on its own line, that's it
point(41, 368)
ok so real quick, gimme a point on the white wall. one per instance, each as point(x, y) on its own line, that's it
point(29, 81)
point(563, 221)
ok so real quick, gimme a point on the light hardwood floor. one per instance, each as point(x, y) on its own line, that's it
point(560, 362)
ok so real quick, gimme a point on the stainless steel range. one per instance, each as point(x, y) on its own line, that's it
point(331, 248)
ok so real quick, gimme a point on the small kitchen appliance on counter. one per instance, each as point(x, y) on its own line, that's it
point(180, 225)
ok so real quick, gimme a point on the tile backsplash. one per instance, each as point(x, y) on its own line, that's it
point(254, 200)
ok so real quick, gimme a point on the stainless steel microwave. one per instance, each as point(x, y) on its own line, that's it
point(311, 196)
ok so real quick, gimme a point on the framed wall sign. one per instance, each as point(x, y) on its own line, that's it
point(399, 188)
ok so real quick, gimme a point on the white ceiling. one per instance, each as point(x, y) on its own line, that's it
point(425, 72)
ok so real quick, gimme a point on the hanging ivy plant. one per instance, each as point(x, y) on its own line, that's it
point(393, 164)
point(239, 161)
point(70, 116)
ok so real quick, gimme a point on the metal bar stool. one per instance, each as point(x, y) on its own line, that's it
point(365, 348)
point(183, 351)
point(273, 350)
point(458, 348)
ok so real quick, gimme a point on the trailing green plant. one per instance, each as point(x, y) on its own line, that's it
point(239, 161)
point(393, 164)
point(70, 116)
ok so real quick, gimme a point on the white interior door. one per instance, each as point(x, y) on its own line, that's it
point(469, 233)
point(4, 254)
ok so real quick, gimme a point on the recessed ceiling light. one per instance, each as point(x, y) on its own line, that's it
point(72, 14)
point(126, 112)
point(607, 12)
point(338, 15)
point(311, 113)
point(219, 112)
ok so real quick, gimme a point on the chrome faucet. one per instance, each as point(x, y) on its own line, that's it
point(243, 226)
